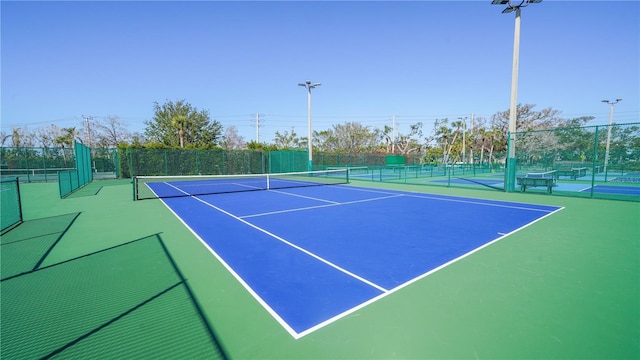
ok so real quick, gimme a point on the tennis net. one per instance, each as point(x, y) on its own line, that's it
point(153, 187)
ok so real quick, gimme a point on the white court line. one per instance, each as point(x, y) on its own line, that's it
point(419, 277)
point(255, 295)
point(304, 197)
point(486, 204)
point(196, 186)
point(385, 292)
point(175, 187)
point(318, 206)
point(345, 271)
point(452, 199)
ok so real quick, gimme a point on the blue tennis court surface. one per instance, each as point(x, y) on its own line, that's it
point(607, 189)
point(315, 254)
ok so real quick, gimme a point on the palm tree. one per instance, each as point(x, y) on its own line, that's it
point(180, 121)
point(458, 125)
point(69, 134)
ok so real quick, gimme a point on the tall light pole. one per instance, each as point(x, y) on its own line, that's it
point(309, 86)
point(510, 173)
point(611, 103)
point(464, 138)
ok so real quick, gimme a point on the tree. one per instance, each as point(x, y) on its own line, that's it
point(180, 124)
point(256, 146)
point(21, 137)
point(4, 137)
point(231, 140)
point(286, 140)
point(528, 119)
point(111, 132)
point(444, 136)
point(407, 143)
point(350, 137)
point(387, 134)
point(45, 135)
point(66, 138)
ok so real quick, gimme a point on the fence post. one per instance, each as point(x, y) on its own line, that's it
point(197, 164)
point(510, 166)
point(595, 161)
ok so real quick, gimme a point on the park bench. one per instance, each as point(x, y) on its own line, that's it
point(544, 179)
point(574, 173)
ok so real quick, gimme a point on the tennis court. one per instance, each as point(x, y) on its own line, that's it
point(358, 270)
point(311, 255)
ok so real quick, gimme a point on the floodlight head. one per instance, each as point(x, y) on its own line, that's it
point(618, 100)
point(315, 84)
point(512, 7)
point(522, 2)
point(301, 84)
point(605, 101)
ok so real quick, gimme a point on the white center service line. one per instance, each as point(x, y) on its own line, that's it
point(331, 203)
point(345, 271)
point(304, 197)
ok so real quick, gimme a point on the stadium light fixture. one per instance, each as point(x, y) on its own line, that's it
point(309, 85)
point(611, 103)
point(515, 5)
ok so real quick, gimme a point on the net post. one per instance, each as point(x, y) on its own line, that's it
point(134, 182)
point(19, 198)
point(268, 182)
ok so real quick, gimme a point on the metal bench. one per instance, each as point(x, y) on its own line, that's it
point(544, 179)
point(574, 173)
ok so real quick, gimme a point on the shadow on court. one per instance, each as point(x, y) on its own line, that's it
point(127, 301)
point(93, 188)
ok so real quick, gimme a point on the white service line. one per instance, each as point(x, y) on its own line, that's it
point(177, 188)
point(304, 197)
point(317, 206)
point(345, 271)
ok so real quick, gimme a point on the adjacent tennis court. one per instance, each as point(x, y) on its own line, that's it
point(311, 255)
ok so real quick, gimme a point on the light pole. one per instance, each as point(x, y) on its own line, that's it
point(606, 154)
point(309, 86)
point(464, 138)
point(510, 173)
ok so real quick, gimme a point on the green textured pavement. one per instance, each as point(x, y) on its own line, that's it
point(566, 287)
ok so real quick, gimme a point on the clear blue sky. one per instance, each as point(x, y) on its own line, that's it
point(416, 60)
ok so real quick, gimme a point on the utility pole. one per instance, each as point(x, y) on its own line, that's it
point(393, 134)
point(472, 137)
point(88, 128)
point(464, 138)
point(258, 127)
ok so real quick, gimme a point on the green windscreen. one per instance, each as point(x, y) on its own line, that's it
point(11, 206)
point(71, 180)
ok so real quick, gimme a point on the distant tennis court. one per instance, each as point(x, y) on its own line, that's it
point(311, 255)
